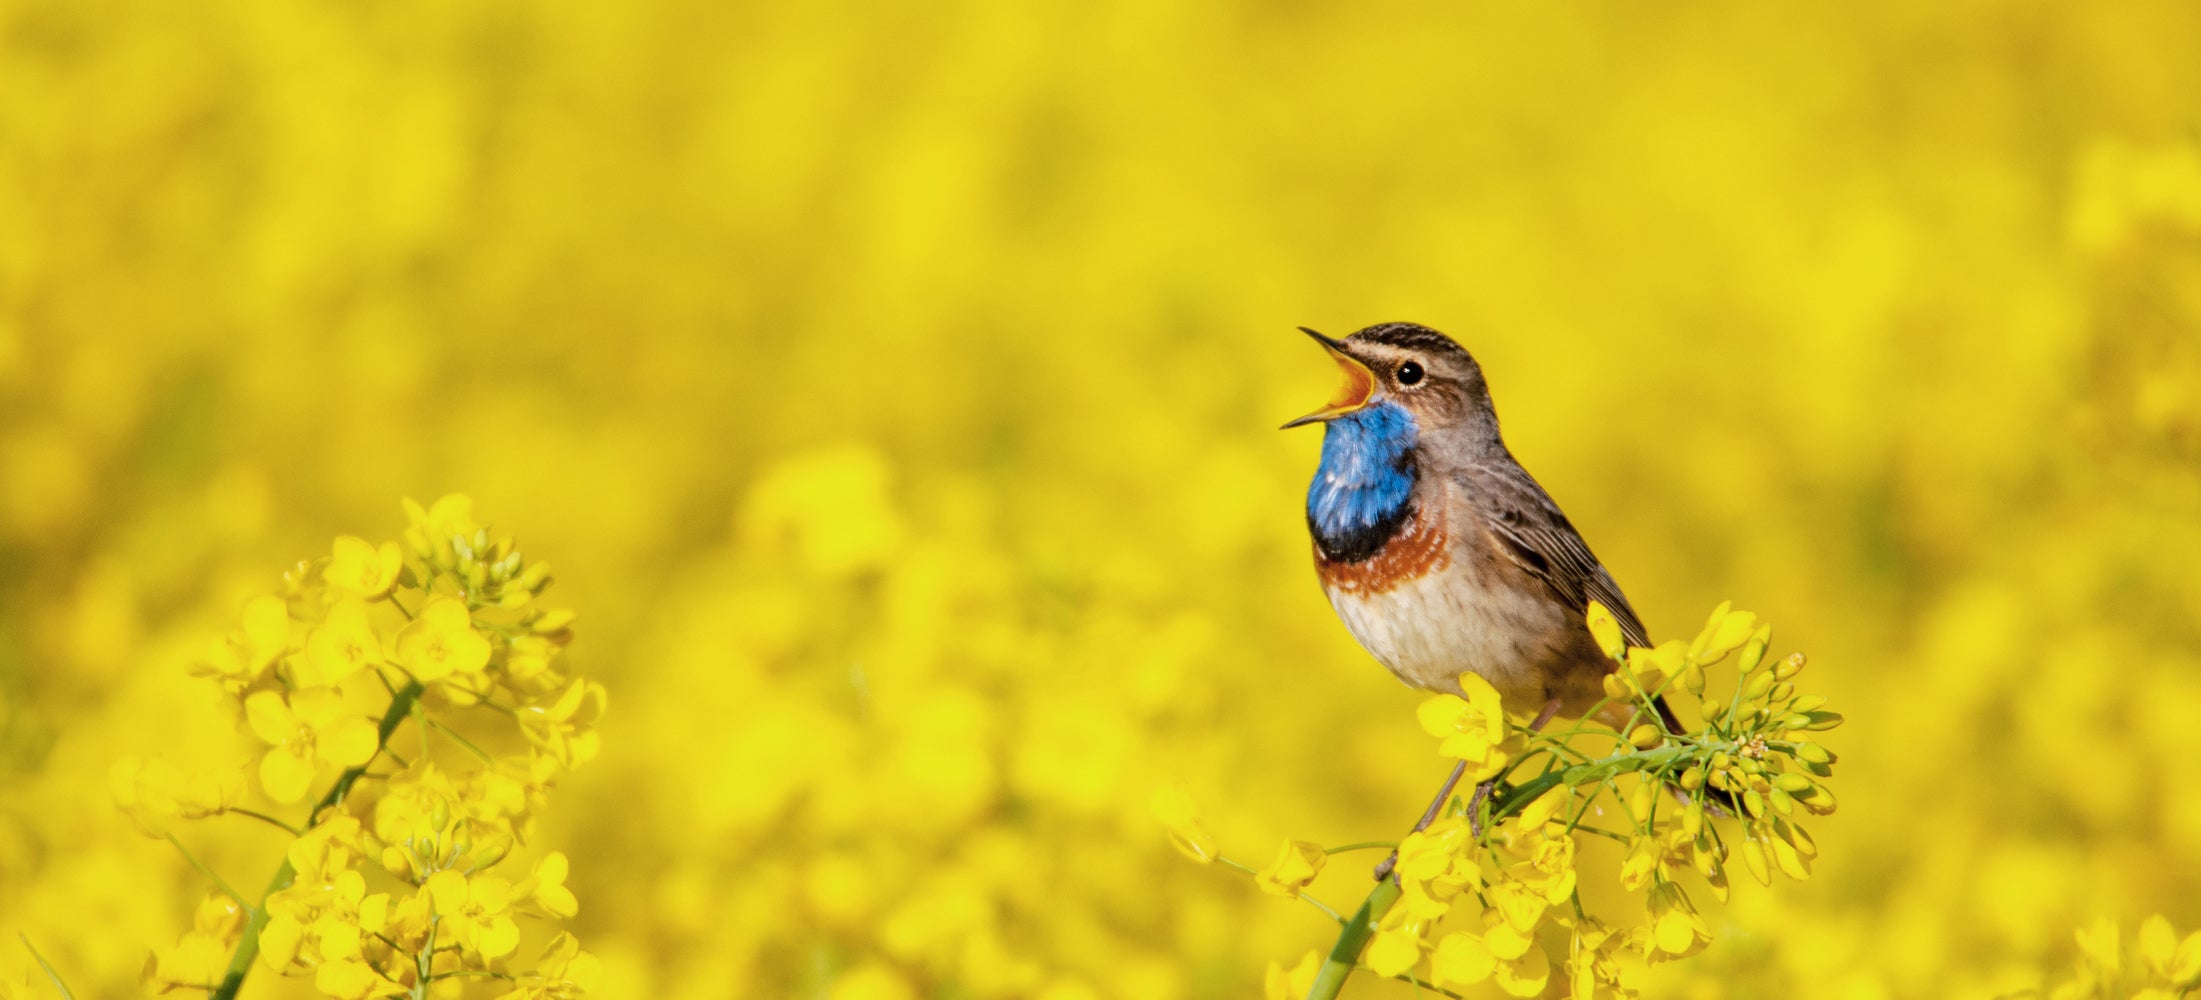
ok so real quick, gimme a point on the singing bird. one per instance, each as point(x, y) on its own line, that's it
point(1440, 553)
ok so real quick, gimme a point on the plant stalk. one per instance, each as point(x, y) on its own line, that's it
point(248, 948)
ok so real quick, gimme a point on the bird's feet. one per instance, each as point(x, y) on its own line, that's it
point(1475, 807)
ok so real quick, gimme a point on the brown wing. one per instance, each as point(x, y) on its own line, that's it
point(1531, 530)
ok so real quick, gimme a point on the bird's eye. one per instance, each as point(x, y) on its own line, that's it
point(1409, 373)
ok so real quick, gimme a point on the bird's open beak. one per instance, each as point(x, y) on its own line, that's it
point(1360, 383)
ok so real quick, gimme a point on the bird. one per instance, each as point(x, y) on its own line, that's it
point(1440, 553)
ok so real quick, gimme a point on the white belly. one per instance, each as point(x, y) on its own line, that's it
point(1431, 629)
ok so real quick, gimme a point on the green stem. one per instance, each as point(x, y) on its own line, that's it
point(248, 948)
point(48, 968)
point(265, 818)
point(1345, 954)
point(219, 882)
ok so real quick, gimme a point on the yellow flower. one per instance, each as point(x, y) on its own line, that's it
point(1296, 866)
point(1550, 867)
point(1461, 959)
point(564, 728)
point(1291, 984)
point(1435, 851)
point(1394, 950)
point(1545, 808)
point(360, 568)
point(1500, 953)
point(442, 642)
point(474, 911)
point(154, 792)
point(545, 889)
point(1524, 976)
point(1602, 957)
point(436, 532)
point(1472, 729)
point(197, 961)
point(1519, 908)
point(405, 920)
point(1676, 929)
point(239, 658)
point(1642, 862)
point(344, 645)
point(1173, 808)
point(310, 725)
point(2176, 962)
point(313, 921)
point(1606, 630)
point(564, 971)
point(353, 979)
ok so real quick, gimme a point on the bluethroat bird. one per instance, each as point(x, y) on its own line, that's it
point(1440, 553)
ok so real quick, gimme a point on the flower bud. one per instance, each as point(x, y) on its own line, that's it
point(535, 576)
point(1789, 667)
point(1753, 856)
point(1820, 721)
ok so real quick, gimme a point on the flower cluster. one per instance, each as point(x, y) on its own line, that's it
point(398, 875)
point(2160, 966)
point(1490, 891)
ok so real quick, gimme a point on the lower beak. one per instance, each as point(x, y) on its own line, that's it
point(1360, 383)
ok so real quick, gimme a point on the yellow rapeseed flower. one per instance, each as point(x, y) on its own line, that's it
point(363, 569)
point(563, 972)
point(1472, 729)
point(1676, 929)
point(1290, 984)
point(1606, 630)
point(195, 962)
point(1296, 866)
point(564, 729)
point(308, 726)
point(475, 912)
point(545, 888)
point(1173, 808)
point(342, 646)
point(441, 643)
point(239, 658)
point(155, 792)
point(1461, 959)
point(1395, 948)
point(353, 979)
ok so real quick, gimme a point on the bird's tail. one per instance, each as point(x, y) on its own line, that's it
point(1720, 797)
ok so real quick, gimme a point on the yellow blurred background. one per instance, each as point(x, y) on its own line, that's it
point(893, 387)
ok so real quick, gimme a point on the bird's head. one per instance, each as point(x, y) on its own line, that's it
point(1410, 370)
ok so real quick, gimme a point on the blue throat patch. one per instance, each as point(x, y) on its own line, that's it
point(1362, 490)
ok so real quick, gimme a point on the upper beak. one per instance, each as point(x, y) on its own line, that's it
point(1360, 383)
